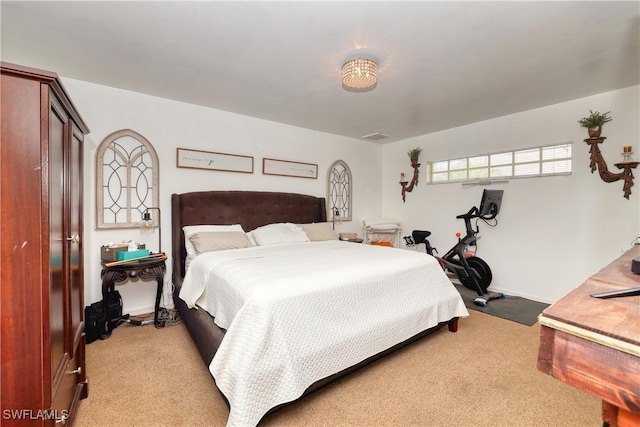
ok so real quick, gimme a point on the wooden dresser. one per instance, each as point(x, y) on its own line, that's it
point(594, 344)
point(42, 342)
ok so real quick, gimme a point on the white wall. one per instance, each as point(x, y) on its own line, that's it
point(168, 125)
point(553, 232)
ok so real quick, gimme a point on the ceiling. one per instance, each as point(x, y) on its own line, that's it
point(440, 64)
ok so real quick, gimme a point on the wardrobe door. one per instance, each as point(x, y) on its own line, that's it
point(75, 236)
point(58, 257)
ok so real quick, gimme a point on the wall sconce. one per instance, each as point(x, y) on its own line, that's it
point(148, 227)
point(414, 181)
point(597, 162)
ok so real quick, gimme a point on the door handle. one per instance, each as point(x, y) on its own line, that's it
point(75, 371)
point(75, 238)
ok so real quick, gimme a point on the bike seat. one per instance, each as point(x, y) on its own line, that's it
point(419, 236)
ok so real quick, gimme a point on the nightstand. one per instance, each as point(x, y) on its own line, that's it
point(145, 269)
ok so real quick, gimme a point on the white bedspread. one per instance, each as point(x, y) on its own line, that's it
point(297, 313)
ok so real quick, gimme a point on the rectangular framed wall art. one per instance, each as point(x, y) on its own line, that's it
point(197, 159)
point(288, 168)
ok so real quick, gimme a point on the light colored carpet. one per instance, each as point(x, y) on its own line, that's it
point(483, 375)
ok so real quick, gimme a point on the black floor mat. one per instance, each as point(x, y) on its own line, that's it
point(516, 309)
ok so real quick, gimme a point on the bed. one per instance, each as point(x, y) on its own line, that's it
point(251, 392)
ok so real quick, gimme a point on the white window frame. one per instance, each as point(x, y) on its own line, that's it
point(503, 165)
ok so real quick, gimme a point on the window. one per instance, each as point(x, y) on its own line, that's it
point(531, 162)
point(126, 179)
point(339, 191)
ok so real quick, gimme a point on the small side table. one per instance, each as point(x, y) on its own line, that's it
point(150, 268)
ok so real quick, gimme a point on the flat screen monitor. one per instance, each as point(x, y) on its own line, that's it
point(490, 204)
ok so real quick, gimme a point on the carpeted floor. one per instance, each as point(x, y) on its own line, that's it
point(516, 309)
point(483, 375)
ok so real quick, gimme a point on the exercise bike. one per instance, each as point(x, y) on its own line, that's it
point(473, 272)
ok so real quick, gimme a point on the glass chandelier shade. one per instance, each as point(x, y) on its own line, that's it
point(359, 75)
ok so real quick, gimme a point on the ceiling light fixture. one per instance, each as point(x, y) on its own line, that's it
point(359, 75)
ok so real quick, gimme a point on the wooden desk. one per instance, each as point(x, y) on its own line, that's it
point(594, 344)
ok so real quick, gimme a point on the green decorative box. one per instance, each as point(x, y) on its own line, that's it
point(140, 253)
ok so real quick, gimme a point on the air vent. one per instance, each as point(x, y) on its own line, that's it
point(375, 136)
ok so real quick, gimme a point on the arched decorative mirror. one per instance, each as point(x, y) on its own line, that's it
point(339, 191)
point(127, 180)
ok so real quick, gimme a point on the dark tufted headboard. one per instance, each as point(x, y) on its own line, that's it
point(251, 209)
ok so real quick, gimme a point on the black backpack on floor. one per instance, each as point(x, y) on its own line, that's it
point(95, 317)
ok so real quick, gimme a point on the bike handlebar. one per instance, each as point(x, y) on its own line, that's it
point(471, 214)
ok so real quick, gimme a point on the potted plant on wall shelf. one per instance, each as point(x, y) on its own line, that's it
point(414, 155)
point(594, 122)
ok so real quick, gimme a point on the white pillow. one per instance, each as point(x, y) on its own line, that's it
point(319, 231)
point(279, 233)
point(252, 239)
point(192, 229)
point(207, 241)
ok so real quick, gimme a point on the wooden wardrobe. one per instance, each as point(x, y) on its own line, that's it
point(42, 344)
